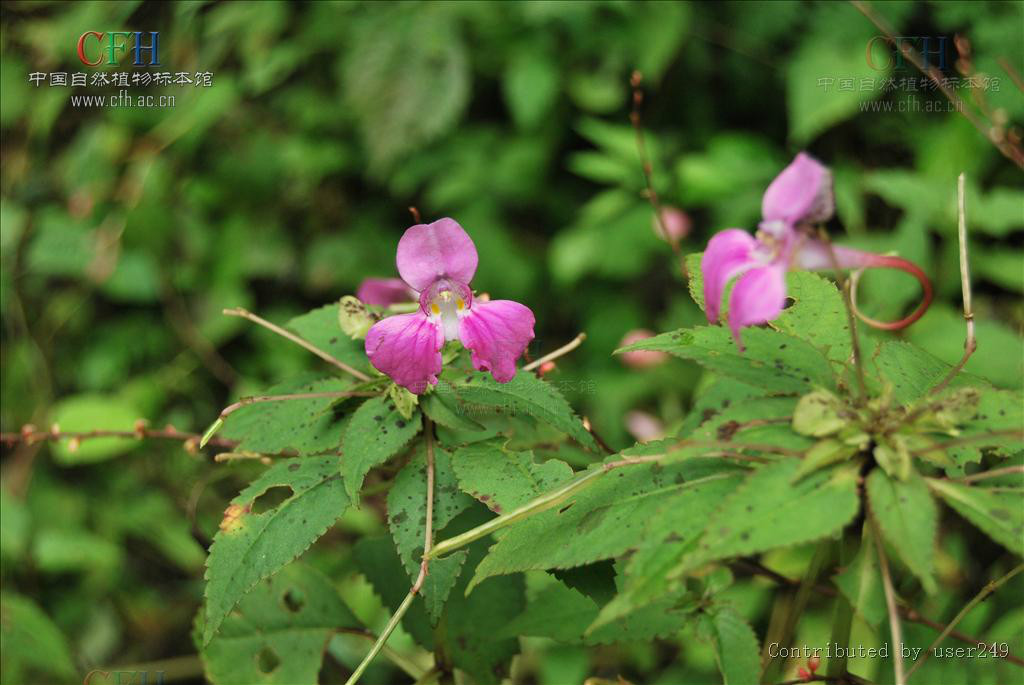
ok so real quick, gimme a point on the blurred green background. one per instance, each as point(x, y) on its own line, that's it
point(281, 186)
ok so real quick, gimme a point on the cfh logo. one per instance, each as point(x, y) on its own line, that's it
point(113, 44)
point(932, 49)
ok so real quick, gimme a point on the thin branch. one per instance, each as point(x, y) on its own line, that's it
point(29, 435)
point(428, 541)
point(1012, 73)
point(560, 352)
point(985, 592)
point(890, 601)
point(1011, 152)
point(415, 214)
point(971, 343)
point(246, 314)
point(636, 79)
point(995, 473)
point(907, 612)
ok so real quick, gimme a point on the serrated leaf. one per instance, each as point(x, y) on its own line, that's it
point(306, 426)
point(438, 410)
point(736, 648)
point(605, 519)
point(30, 643)
point(252, 546)
point(376, 433)
point(819, 414)
point(525, 394)
point(769, 510)
point(772, 360)
point(564, 614)
point(503, 479)
point(912, 372)
point(818, 314)
point(407, 509)
point(757, 421)
point(279, 631)
point(322, 327)
point(908, 518)
point(861, 582)
point(998, 513)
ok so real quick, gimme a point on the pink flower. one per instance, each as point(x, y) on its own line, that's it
point(438, 261)
point(798, 198)
point(384, 292)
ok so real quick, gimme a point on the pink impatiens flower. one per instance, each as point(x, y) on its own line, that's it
point(798, 198)
point(438, 261)
point(384, 292)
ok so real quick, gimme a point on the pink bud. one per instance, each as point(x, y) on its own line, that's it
point(640, 359)
point(675, 222)
point(804, 674)
point(644, 427)
point(546, 368)
point(813, 663)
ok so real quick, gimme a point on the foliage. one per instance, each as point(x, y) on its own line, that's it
point(782, 473)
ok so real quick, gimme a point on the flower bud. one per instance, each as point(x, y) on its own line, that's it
point(674, 222)
point(639, 359)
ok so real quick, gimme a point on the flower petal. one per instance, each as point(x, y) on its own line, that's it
point(801, 193)
point(406, 347)
point(384, 292)
point(497, 333)
point(728, 253)
point(757, 297)
point(442, 249)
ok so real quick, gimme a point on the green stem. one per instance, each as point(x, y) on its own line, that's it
point(842, 619)
point(379, 644)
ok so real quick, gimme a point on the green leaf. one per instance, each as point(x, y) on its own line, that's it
point(818, 414)
point(835, 55)
point(525, 394)
point(530, 86)
point(861, 582)
point(769, 510)
point(406, 80)
point(376, 433)
point(564, 614)
point(818, 314)
point(322, 328)
point(761, 421)
point(30, 643)
point(608, 518)
point(504, 480)
point(736, 647)
point(251, 546)
point(908, 519)
point(93, 412)
point(353, 317)
point(279, 631)
point(438, 410)
point(772, 360)
point(911, 371)
point(306, 426)
point(407, 509)
point(998, 513)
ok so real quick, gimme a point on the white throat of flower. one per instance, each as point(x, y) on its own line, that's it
point(446, 308)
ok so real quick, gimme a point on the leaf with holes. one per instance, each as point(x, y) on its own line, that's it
point(998, 513)
point(525, 394)
point(772, 360)
point(908, 518)
point(322, 328)
point(279, 631)
point(308, 426)
point(377, 432)
point(769, 510)
point(609, 517)
point(407, 509)
point(251, 546)
point(503, 479)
